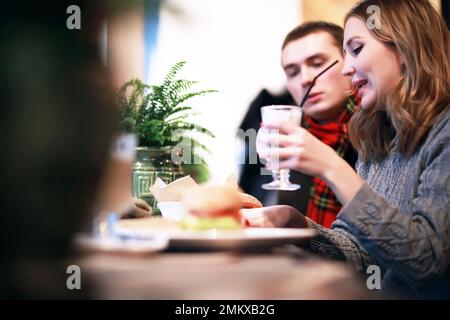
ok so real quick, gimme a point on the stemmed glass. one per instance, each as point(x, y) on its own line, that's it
point(276, 115)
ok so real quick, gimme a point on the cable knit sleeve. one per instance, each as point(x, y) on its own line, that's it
point(340, 245)
point(415, 245)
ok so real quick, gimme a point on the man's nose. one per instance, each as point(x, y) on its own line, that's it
point(306, 77)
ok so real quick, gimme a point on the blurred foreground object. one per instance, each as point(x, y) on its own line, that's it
point(114, 194)
point(56, 127)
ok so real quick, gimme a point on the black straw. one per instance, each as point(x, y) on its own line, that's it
point(314, 82)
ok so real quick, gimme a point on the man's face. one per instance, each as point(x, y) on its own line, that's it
point(302, 60)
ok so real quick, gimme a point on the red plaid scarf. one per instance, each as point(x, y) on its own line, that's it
point(322, 204)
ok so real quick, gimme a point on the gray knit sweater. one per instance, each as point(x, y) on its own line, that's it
point(399, 220)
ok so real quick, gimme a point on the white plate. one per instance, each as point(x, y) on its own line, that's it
point(117, 245)
point(215, 239)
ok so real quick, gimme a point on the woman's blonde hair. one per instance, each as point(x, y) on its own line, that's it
point(419, 34)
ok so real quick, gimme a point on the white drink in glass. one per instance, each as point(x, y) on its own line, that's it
point(277, 115)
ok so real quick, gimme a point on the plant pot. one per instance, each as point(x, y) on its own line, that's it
point(150, 164)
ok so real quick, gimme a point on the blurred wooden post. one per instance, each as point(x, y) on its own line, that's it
point(125, 43)
point(327, 10)
point(334, 10)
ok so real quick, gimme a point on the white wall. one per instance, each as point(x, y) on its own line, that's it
point(232, 46)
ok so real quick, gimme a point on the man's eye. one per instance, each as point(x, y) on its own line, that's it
point(358, 49)
point(317, 64)
point(292, 74)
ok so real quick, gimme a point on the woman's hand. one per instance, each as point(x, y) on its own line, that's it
point(274, 217)
point(295, 148)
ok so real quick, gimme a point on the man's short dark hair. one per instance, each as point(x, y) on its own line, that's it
point(307, 28)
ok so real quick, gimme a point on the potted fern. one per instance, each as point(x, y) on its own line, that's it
point(159, 117)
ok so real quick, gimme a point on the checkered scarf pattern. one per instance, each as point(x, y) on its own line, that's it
point(323, 206)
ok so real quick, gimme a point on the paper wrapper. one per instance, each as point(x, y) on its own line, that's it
point(174, 190)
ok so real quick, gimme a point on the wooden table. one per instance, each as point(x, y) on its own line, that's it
point(282, 273)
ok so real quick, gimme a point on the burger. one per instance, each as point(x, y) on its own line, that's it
point(215, 207)
point(249, 201)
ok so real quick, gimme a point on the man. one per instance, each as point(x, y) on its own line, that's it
point(307, 50)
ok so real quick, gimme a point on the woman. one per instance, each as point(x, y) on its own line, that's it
point(396, 210)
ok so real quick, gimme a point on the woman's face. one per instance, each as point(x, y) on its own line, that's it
point(375, 68)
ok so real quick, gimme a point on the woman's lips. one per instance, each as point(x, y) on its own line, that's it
point(314, 97)
point(359, 86)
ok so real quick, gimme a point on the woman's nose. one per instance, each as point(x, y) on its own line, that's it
point(348, 69)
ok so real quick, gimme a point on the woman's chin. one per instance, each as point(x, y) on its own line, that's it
point(367, 104)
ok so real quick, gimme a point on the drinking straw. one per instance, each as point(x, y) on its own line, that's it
point(314, 82)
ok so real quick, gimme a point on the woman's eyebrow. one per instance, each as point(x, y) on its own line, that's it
point(349, 41)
